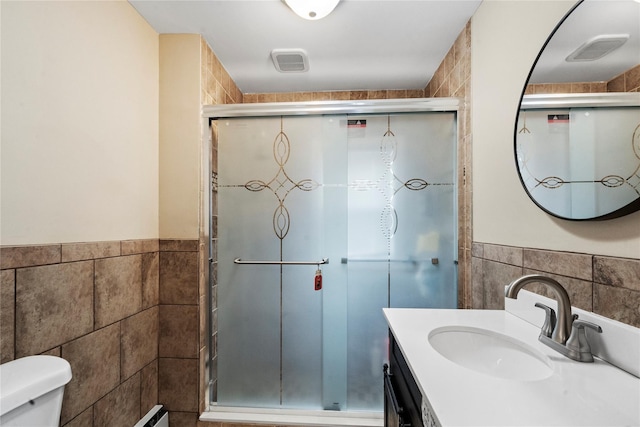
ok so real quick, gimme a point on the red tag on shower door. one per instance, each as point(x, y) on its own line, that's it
point(317, 283)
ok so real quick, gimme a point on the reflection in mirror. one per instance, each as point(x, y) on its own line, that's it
point(576, 161)
point(577, 136)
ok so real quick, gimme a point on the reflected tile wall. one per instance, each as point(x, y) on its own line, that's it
point(628, 81)
point(96, 305)
point(608, 286)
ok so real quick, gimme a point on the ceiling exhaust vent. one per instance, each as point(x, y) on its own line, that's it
point(598, 47)
point(290, 60)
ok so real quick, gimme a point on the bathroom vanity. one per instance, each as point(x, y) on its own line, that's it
point(402, 396)
point(487, 368)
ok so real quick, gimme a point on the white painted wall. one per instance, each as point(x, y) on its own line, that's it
point(79, 147)
point(506, 38)
point(80, 158)
point(180, 136)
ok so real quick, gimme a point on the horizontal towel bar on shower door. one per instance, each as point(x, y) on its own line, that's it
point(413, 261)
point(323, 261)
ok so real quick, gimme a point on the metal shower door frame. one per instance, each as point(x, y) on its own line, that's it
point(209, 179)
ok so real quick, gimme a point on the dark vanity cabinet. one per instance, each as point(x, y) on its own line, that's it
point(402, 397)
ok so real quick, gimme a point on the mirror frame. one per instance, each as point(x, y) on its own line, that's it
point(625, 210)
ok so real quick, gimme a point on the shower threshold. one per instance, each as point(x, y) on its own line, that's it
point(292, 417)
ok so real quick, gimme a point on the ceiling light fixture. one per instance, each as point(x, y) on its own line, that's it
point(312, 9)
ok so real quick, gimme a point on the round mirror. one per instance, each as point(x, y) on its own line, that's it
point(577, 134)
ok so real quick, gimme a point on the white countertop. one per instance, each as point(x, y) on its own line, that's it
point(576, 394)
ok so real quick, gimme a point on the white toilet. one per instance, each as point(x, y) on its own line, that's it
point(31, 390)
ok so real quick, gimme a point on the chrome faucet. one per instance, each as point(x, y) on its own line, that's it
point(560, 331)
point(565, 334)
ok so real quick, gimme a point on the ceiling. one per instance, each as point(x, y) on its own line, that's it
point(590, 19)
point(361, 45)
point(376, 44)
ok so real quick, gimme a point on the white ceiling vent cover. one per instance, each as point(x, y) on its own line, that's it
point(598, 47)
point(290, 60)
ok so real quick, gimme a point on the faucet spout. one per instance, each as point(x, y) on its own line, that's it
point(562, 329)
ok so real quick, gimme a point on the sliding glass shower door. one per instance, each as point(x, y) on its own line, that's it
point(322, 222)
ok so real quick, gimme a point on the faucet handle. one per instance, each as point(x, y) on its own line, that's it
point(578, 342)
point(581, 324)
point(549, 320)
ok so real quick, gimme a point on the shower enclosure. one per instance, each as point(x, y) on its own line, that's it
point(327, 213)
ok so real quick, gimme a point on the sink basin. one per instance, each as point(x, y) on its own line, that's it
point(490, 353)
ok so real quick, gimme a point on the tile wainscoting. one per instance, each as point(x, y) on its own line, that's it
point(123, 313)
point(605, 285)
point(127, 315)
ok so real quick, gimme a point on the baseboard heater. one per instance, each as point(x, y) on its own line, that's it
point(156, 417)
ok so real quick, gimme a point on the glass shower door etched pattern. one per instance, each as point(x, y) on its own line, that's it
point(269, 316)
point(374, 194)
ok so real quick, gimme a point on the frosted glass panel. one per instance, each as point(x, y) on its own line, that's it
point(424, 239)
point(375, 195)
point(302, 305)
point(248, 296)
point(401, 217)
point(367, 334)
point(248, 332)
point(335, 280)
point(271, 209)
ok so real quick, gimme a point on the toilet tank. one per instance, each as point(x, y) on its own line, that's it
point(31, 390)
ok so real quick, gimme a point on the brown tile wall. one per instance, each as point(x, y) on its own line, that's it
point(604, 285)
point(345, 95)
point(179, 337)
point(97, 306)
point(579, 87)
point(629, 81)
point(216, 86)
